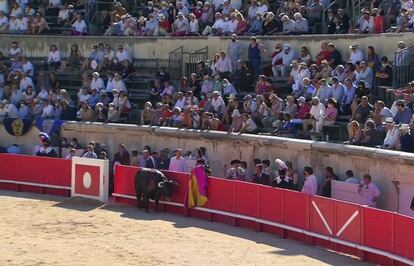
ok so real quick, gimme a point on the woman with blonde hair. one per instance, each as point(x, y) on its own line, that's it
point(354, 132)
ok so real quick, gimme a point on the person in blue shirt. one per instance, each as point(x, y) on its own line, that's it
point(404, 114)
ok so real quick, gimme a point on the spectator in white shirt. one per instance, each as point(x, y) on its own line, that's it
point(122, 54)
point(217, 27)
point(13, 25)
point(53, 59)
point(27, 67)
point(110, 83)
point(79, 26)
point(4, 22)
point(217, 105)
point(194, 26)
point(180, 102)
point(119, 84)
point(178, 163)
point(48, 109)
point(317, 113)
point(96, 82)
point(248, 126)
point(356, 54)
point(22, 23)
point(224, 65)
point(392, 138)
point(9, 110)
point(288, 25)
point(25, 82)
point(311, 182)
point(181, 26)
point(287, 56)
point(301, 24)
point(15, 50)
point(369, 192)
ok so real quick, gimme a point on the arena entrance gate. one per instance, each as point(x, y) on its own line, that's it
point(184, 63)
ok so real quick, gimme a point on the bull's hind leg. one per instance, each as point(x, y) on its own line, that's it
point(139, 200)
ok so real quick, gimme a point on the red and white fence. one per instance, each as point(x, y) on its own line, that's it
point(374, 235)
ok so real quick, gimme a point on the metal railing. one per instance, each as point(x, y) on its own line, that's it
point(184, 63)
point(403, 71)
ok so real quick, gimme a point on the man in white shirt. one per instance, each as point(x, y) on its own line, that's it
point(79, 26)
point(311, 182)
point(122, 54)
point(110, 83)
point(356, 54)
point(15, 50)
point(28, 67)
point(4, 22)
point(25, 82)
point(224, 65)
point(97, 83)
point(48, 110)
point(217, 27)
point(392, 138)
point(22, 23)
point(317, 112)
point(369, 192)
point(180, 103)
point(287, 56)
point(181, 26)
point(54, 57)
point(217, 104)
point(178, 163)
point(119, 84)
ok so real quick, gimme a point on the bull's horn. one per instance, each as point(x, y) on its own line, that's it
point(161, 184)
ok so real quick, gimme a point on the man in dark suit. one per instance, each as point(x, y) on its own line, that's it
point(163, 162)
point(150, 162)
point(259, 177)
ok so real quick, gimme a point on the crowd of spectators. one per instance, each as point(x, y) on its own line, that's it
point(322, 88)
point(218, 17)
point(24, 17)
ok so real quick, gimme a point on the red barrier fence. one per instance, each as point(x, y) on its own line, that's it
point(374, 235)
point(35, 174)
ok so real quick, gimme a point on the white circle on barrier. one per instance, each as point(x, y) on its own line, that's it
point(87, 180)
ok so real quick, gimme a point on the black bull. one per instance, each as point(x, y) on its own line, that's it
point(152, 184)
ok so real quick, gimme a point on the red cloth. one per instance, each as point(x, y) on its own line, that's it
point(241, 27)
point(303, 112)
point(165, 25)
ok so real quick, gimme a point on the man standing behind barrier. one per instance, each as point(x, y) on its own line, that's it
point(178, 163)
point(311, 182)
point(369, 192)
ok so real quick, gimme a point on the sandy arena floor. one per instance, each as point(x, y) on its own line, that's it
point(46, 230)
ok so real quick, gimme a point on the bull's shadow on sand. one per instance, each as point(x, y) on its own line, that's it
point(284, 247)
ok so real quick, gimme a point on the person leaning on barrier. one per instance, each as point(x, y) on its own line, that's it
point(236, 172)
point(369, 192)
point(90, 153)
point(311, 182)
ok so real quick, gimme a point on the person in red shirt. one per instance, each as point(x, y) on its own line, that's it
point(324, 54)
point(163, 26)
point(241, 27)
point(165, 115)
point(378, 21)
point(303, 112)
point(198, 10)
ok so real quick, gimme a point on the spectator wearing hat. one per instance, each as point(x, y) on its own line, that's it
point(287, 56)
point(119, 83)
point(307, 89)
point(298, 79)
point(356, 54)
point(392, 138)
point(97, 82)
point(317, 113)
point(228, 89)
point(288, 25)
point(369, 192)
point(101, 113)
point(366, 23)
point(236, 122)
point(123, 54)
point(404, 114)
point(303, 111)
point(122, 156)
point(301, 24)
point(236, 172)
point(113, 114)
point(218, 107)
point(291, 107)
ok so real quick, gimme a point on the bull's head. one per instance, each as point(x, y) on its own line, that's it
point(165, 188)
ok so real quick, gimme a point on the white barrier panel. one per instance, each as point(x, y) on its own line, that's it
point(345, 191)
point(90, 178)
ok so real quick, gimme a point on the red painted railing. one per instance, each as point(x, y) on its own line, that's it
point(374, 235)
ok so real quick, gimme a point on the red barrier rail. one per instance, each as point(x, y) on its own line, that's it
point(35, 174)
point(374, 235)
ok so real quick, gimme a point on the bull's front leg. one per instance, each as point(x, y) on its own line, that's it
point(157, 199)
point(139, 201)
point(146, 202)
